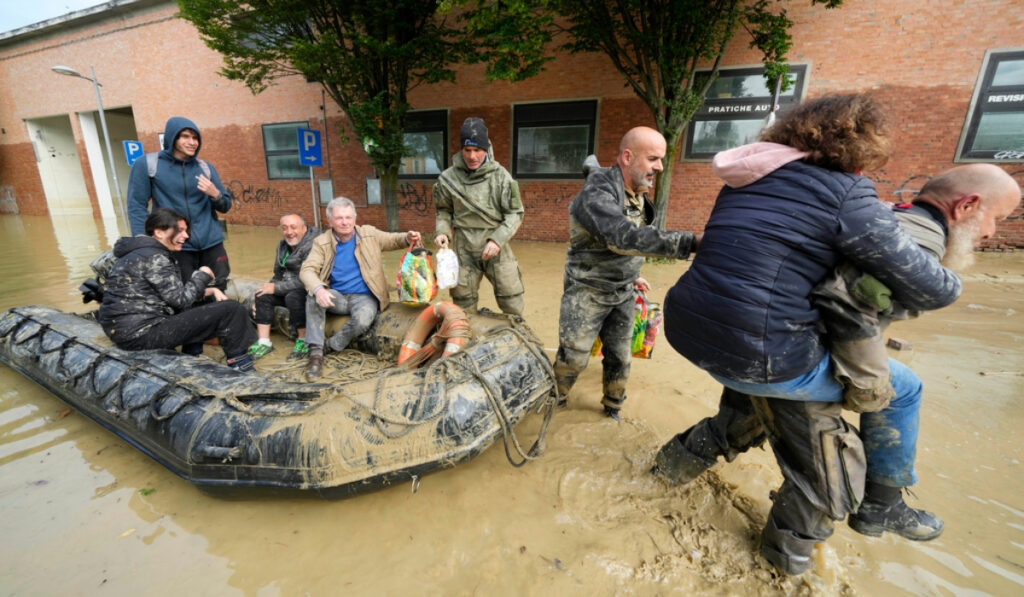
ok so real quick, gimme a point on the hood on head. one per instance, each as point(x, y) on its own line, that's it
point(746, 164)
point(173, 128)
point(127, 244)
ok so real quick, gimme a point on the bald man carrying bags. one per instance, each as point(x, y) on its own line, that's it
point(610, 233)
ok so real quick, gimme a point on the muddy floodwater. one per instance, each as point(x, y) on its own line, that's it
point(85, 513)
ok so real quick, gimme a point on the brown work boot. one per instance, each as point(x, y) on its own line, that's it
point(315, 367)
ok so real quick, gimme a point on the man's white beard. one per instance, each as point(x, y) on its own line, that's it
point(960, 245)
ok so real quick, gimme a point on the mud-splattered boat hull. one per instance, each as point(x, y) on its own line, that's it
point(219, 428)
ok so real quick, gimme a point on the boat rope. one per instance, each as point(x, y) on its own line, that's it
point(508, 434)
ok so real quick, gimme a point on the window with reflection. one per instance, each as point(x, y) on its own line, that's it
point(994, 129)
point(281, 147)
point(551, 140)
point(736, 108)
point(426, 144)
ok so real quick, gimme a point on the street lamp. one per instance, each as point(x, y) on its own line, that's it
point(66, 70)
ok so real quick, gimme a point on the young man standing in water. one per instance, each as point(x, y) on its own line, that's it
point(744, 312)
point(610, 232)
point(190, 186)
point(344, 274)
point(477, 198)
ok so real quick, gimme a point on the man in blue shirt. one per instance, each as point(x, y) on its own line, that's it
point(344, 274)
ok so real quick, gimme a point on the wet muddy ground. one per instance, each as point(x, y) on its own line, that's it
point(85, 513)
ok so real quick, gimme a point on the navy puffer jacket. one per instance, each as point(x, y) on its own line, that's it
point(743, 310)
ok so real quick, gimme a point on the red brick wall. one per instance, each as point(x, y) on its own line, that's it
point(921, 57)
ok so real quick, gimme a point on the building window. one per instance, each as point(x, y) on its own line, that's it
point(552, 140)
point(736, 108)
point(426, 144)
point(281, 146)
point(994, 130)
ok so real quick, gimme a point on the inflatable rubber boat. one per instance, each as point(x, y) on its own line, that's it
point(222, 429)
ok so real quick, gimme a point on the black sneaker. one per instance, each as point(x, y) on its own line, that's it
point(872, 519)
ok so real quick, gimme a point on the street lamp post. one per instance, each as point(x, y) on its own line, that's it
point(65, 70)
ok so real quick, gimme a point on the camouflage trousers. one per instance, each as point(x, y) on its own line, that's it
point(501, 271)
point(585, 314)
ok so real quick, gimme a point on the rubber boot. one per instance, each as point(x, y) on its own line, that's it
point(786, 550)
point(884, 510)
point(677, 464)
point(794, 526)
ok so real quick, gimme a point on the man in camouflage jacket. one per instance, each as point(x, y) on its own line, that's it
point(609, 235)
point(478, 197)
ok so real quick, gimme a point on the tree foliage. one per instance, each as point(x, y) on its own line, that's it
point(367, 55)
point(657, 45)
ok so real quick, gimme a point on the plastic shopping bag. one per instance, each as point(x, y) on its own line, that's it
point(416, 283)
point(652, 324)
point(646, 323)
point(447, 269)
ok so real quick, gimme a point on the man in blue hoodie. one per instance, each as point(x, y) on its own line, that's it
point(190, 186)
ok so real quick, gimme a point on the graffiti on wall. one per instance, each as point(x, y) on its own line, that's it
point(413, 197)
point(249, 193)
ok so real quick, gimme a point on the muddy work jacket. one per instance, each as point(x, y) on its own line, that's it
point(288, 262)
point(609, 235)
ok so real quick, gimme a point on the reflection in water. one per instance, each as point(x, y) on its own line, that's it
point(79, 242)
point(84, 512)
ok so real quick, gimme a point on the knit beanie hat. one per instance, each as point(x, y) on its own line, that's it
point(474, 134)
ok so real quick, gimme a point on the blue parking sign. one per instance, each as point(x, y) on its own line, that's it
point(132, 151)
point(309, 148)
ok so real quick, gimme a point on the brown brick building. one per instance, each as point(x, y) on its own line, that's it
point(950, 72)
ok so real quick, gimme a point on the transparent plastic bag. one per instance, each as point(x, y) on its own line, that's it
point(447, 269)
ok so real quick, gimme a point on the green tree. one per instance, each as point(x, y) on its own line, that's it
point(657, 45)
point(367, 55)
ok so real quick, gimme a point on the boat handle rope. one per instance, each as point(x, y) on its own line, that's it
point(91, 370)
point(508, 434)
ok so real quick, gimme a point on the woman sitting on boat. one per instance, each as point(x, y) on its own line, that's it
point(147, 306)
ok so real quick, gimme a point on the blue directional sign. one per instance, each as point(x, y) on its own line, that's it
point(132, 151)
point(309, 148)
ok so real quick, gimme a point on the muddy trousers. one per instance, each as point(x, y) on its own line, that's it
point(295, 301)
point(820, 455)
point(361, 309)
point(225, 320)
point(501, 271)
point(585, 315)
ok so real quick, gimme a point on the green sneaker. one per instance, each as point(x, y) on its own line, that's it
point(300, 351)
point(258, 351)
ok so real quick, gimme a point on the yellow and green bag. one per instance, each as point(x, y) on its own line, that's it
point(417, 285)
